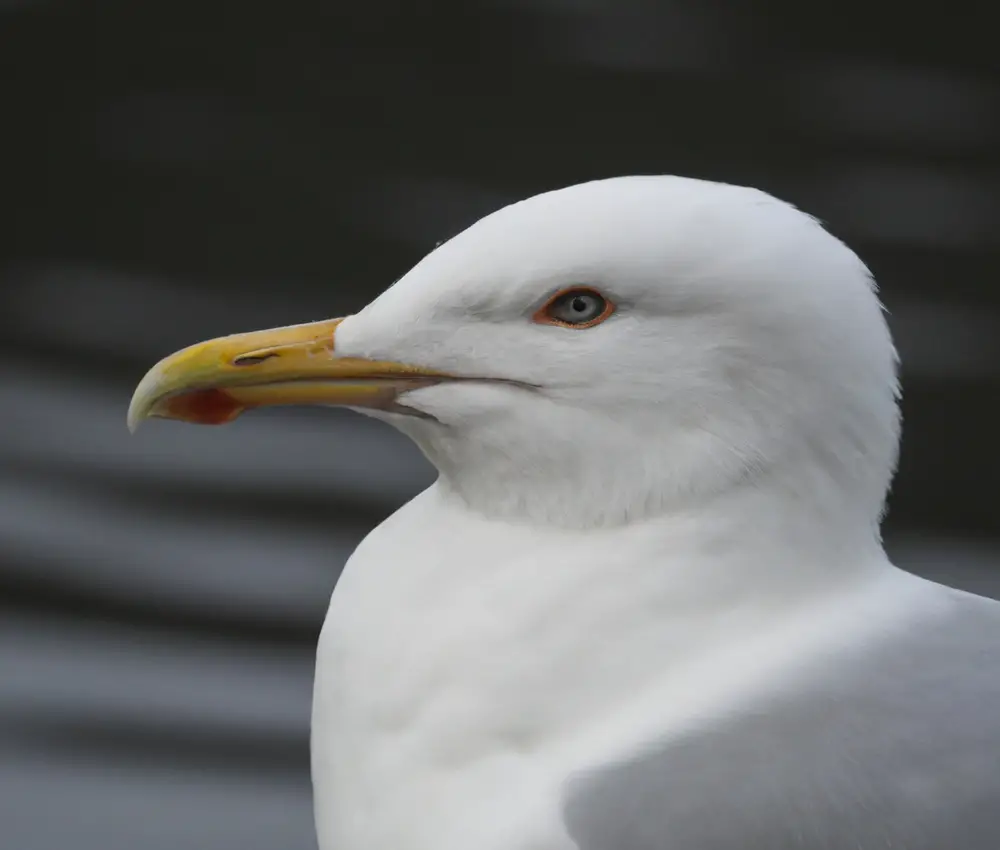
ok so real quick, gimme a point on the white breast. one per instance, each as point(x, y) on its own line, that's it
point(465, 668)
point(430, 702)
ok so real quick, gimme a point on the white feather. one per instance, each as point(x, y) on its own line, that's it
point(701, 477)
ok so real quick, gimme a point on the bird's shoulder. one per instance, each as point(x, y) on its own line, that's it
point(893, 744)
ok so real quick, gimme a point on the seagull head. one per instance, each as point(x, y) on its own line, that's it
point(599, 355)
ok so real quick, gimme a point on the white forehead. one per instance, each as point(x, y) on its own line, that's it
point(641, 234)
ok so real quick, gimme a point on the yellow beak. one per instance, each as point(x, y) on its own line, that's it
point(214, 382)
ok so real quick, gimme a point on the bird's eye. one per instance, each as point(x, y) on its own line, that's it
point(575, 308)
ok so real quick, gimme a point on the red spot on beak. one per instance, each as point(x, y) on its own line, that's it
point(204, 407)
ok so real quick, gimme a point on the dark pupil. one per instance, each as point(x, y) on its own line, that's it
point(580, 304)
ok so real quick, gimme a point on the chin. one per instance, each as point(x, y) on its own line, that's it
point(461, 403)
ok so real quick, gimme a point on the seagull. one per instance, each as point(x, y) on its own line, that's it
point(645, 605)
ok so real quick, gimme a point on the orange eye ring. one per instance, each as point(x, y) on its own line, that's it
point(583, 301)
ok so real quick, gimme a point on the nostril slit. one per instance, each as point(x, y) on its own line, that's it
point(253, 359)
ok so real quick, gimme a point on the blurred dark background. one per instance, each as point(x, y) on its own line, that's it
point(177, 170)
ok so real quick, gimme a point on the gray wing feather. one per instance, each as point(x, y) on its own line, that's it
point(895, 748)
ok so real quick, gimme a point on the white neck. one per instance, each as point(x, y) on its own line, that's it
point(470, 620)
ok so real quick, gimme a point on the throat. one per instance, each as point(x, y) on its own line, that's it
point(578, 471)
point(683, 580)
